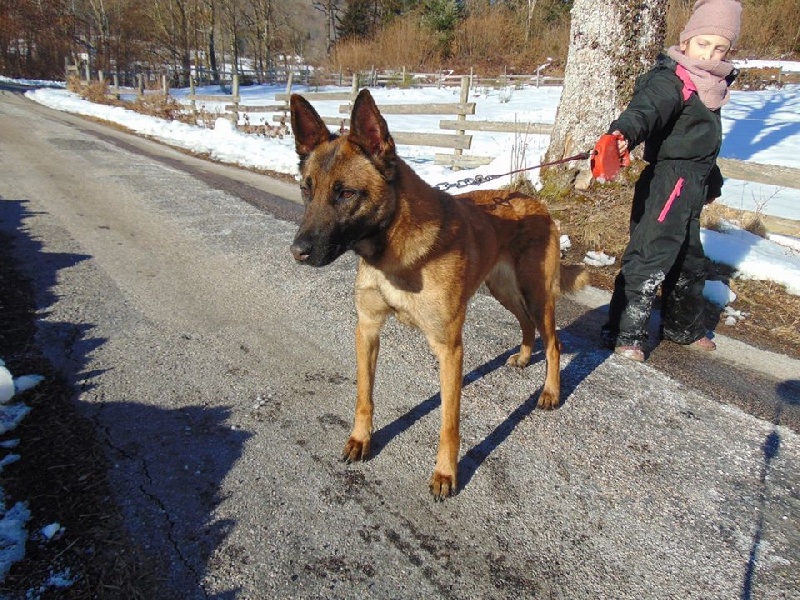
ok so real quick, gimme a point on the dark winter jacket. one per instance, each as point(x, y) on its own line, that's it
point(675, 130)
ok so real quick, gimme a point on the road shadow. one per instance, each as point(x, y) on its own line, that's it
point(789, 393)
point(581, 339)
point(181, 458)
point(165, 466)
point(66, 344)
point(587, 355)
point(383, 436)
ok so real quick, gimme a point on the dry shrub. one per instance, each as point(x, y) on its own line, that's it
point(205, 118)
point(772, 311)
point(489, 37)
point(753, 223)
point(476, 40)
point(770, 28)
point(74, 84)
point(596, 219)
point(97, 92)
point(405, 42)
point(715, 213)
point(264, 128)
point(678, 14)
point(550, 44)
point(753, 79)
point(163, 107)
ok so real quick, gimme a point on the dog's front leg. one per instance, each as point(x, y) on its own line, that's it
point(367, 346)
point(444, 480)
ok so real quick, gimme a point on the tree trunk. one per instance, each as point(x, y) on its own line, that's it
point(611, 43)
point(529, 20)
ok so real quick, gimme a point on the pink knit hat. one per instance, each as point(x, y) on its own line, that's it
point(714, 17)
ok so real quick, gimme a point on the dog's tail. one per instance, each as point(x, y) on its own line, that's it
point(572, 278)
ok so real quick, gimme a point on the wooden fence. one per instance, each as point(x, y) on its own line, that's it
point(457, 139)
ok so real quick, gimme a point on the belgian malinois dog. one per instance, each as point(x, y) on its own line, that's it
point(423, 254)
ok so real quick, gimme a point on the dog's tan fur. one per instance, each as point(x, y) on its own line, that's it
point(424, 253)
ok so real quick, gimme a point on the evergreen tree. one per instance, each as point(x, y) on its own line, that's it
point(357, 20)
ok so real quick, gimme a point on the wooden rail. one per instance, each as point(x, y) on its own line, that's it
point(459, 141)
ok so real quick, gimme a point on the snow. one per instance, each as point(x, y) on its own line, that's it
point(762, 127)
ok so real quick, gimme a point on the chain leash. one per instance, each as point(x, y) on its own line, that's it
point(479, 179)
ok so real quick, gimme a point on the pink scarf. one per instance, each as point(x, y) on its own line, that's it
point(708, 76)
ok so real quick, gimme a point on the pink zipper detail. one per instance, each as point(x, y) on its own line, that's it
point(676, 191)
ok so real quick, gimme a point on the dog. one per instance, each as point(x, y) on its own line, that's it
point(423, 254)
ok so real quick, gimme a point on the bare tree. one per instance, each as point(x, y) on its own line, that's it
point(331, 9)
point(611, 43)
point(529, 20)
point(174, 21)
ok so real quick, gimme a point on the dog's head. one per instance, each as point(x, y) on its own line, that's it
point(346, 182)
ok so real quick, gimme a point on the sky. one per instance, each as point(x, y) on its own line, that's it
point(762, 126)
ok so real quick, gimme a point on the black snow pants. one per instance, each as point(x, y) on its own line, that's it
point(664, 251)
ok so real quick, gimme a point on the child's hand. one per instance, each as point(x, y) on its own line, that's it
point(610, 153)
point(622, 143)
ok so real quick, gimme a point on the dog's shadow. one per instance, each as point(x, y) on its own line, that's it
point(383, 436)
point(582, 364)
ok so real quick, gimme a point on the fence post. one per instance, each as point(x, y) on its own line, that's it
point(164, 85)
point(140, 85)
point(461, 116)
point(116, 85)
point(88, 73)
point(192, 92)
point(235, 93)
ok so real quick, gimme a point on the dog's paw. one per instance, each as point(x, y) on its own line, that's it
point(548, 400)
point(518, 360)
point(442, 486)
point(355, 450)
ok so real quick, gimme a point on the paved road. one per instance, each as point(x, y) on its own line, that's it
point(221, 377)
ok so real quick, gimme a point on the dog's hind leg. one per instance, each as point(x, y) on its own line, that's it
point(503, 285)
point(541, 306)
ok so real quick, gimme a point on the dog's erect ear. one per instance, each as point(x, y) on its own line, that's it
point(307, 126)
point(368, 128)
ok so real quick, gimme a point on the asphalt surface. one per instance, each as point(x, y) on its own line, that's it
point(220, 375)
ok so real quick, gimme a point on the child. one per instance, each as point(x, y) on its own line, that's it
point(675, 112)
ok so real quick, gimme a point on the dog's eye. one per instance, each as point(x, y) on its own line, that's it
point(305, 192)
point(347, 195)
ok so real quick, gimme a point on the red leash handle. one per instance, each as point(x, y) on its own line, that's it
point(609, 156)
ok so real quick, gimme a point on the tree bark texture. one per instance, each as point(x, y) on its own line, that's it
point(611, 43)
